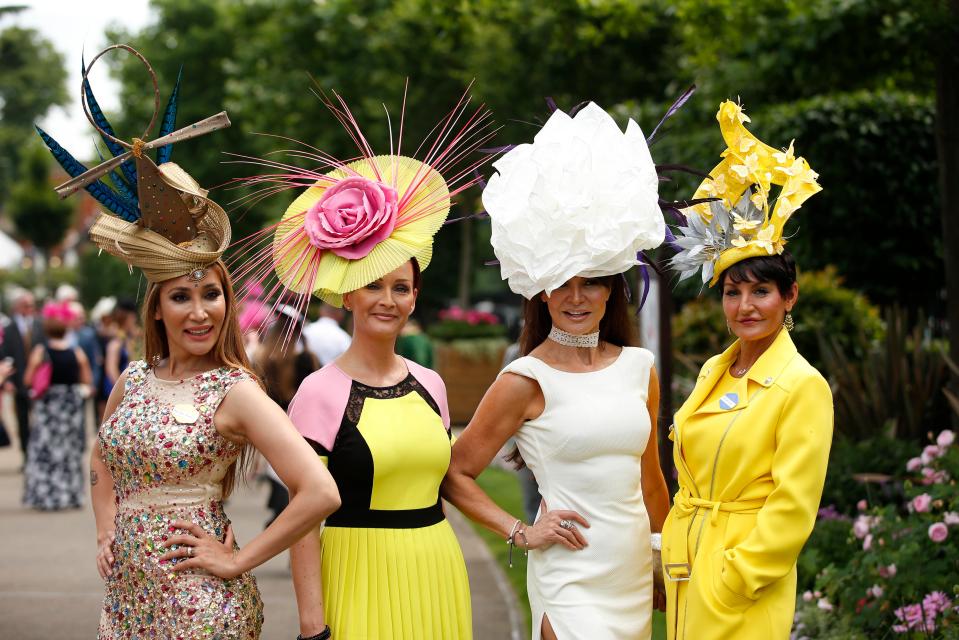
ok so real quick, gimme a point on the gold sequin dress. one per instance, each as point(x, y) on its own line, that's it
point(168, 462)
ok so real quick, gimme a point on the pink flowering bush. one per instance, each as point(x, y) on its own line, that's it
point(456, 323)
point(898, 576)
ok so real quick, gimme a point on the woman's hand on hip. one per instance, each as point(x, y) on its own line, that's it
point(557, 527)
point(105, 554)
point(203, 551)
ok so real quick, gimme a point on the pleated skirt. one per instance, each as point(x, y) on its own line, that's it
point(399, 584)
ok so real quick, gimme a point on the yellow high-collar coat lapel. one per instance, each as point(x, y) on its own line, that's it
point(764, 372)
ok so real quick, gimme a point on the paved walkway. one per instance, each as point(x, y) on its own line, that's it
point(49, 587)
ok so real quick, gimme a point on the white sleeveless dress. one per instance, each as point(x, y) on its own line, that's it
point(584, 451)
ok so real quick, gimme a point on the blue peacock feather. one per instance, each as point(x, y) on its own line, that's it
point(128, 168)
point(116, 203)
point(118, 182)
point(169, 121)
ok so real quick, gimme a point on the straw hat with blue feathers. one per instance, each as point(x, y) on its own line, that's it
point(157, 216)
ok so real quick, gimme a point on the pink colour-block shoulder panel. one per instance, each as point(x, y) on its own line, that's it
point(317, 408)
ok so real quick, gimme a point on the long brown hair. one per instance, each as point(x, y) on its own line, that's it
point(616, 327)
point(279, 364)
point(228, 352)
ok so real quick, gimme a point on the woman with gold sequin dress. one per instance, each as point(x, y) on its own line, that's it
point(386, 565)
point(180, 425)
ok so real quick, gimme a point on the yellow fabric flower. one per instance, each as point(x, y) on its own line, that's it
point(766, 238)
point(743, 225)
point(749, 166)
point(735, 113)
point(784, 158)
point(785, 207)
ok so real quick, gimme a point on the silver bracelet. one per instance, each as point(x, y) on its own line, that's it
point(511, 541)
point(656, 541)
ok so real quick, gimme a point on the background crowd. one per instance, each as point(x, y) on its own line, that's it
point(868, 86)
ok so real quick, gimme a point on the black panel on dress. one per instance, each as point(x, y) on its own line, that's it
point(351, 465)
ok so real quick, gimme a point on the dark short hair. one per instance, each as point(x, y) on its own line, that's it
point(780, 269)
point(417, 273)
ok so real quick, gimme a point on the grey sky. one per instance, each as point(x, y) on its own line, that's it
point(75, 26)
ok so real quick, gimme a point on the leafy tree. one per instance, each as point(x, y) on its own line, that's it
point(39, 215)
point(99, 276)
point(778, 51)
point(32, 79)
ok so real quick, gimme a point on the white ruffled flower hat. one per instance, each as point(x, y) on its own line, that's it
point(581, 200)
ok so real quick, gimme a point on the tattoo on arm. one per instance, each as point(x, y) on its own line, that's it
point(94, 478)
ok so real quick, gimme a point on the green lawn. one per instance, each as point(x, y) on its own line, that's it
point(503, 487)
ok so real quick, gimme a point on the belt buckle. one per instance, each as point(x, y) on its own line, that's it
point(667, 568)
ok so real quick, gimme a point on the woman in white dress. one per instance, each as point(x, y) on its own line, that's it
point(582, 402)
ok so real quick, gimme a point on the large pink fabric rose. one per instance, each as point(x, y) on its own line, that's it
point(352, 217)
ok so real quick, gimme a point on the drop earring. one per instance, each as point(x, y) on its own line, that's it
point(788, 322)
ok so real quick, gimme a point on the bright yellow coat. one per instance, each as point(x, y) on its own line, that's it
point(749, 488)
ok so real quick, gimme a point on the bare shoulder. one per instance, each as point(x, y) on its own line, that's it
point(513, 396)
point(244, 395)
point(512, 384)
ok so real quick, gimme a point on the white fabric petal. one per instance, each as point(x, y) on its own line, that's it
point(582, 199)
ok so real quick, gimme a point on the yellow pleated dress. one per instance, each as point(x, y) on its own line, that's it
point(391, 565)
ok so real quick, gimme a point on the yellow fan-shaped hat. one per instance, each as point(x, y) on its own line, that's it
point(423, 203)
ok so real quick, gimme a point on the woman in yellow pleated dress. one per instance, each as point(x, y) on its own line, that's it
point(386, 565)
point(751, 443)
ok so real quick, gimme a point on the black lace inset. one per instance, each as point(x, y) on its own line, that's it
point(359, 392)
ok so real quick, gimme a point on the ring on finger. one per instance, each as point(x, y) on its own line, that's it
point(189, 551)
point(566, 524)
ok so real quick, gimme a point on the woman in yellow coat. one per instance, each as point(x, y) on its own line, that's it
point(751, 443)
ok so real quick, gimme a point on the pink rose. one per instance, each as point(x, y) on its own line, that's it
point(861, 526)
point(824, 604)
point(807, 596)
point(887, 572)
point(920, 504)
point(867, 543)
point(938, 532)
point(914, 464)
point(931, 476)
point(352, 217)
point(862, 505)
point(945, 439)
point(930, 453)
point(875, 591)
point(951, 518)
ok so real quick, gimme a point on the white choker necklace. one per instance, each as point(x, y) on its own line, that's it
point(573, 340)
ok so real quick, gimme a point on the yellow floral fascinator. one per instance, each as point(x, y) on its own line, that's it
point(738, 223)
point(359, 219)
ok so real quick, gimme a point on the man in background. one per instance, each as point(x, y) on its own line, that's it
point(19, 335)
point(325, 338)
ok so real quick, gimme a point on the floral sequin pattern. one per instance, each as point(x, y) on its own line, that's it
point(168, 462)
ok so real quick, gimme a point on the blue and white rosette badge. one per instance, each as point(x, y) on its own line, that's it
point(729, 401)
